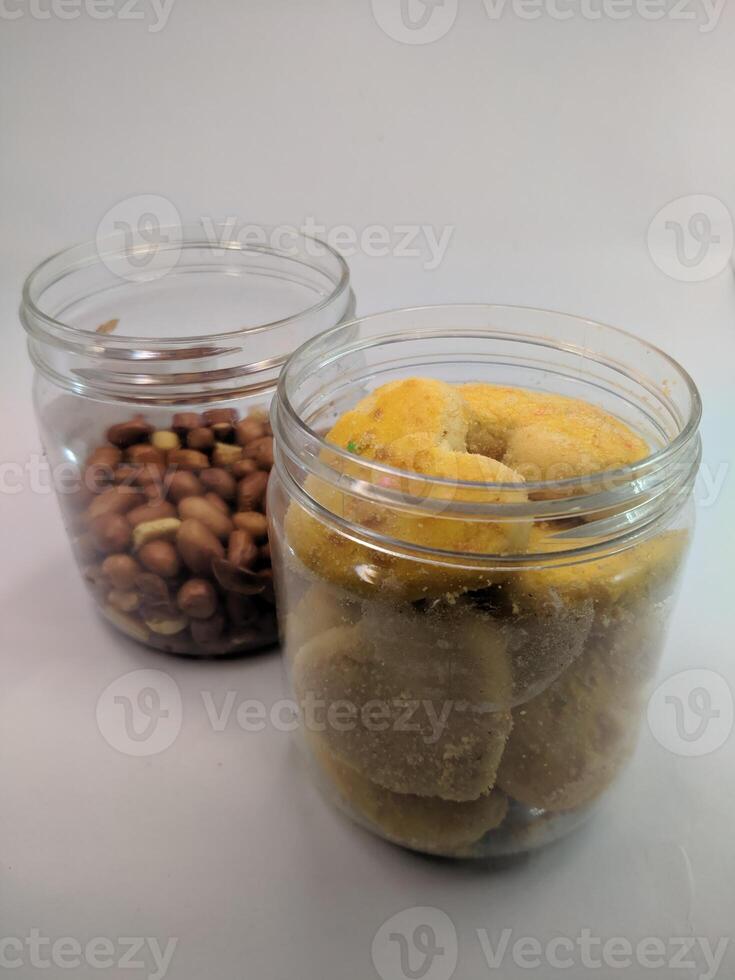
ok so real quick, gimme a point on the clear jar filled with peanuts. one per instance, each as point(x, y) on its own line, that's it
point(478, 518)
point(155, 367)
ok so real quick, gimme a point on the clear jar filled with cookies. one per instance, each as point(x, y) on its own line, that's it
point(156, 360)
point(478, 519)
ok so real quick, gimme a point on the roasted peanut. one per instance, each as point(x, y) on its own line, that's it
point(150, 473)
point(165, 440)
point(162, 529)
point(225, 454)
point(261, 451)
point(221, 420)
point(121, 570)
point(126, 474)
point(201, 439)
point(248, 431)
point(183, 484)
point(243, 467)
point(254, 523)
point(198, 546)
point(241, 549)
point(220, 482)
point(163, 499)
point(160, 557)
point(125, 434)
point(153, 588)
point(100, 467)
point(197, 598)
point(144, 452)
point(251, 490)
point(110, 533)
point(202, 510)
point(127, 623)
point(126, 600)
point(104, 456)
point(188, 459)
point(167, 626)
point(151, 512)
point(115, 500)
point(216, 501)
point(154, 492)
point(183, 422)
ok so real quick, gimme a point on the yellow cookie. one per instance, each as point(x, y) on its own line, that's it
point(644, 572)
point(413, 425)
point(417, 702)
point(422, 823)
point(321, 608)
point(547, 437)
point(569, 742)
point(401, 418)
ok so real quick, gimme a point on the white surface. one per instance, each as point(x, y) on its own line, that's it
point(549, 146)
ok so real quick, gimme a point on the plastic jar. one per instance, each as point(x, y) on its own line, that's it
point(459, 702)
point(155, 367)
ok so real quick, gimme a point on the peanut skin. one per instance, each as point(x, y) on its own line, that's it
point(111, 533)
point(209, 515)
point(261, 451)
point(121, 570)
point(125, 434)
point(188, 459)
point(116, 500)
point(241, 549)
point(198, 546)
point(182, 484)
point(201, 439)
point(197, 598)
point(160, 557)
point(254, 523)
point(219, 481)
point(151, 512)
point(183, 422)
point(251, 490)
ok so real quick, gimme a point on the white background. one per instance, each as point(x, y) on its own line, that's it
point(548, 146)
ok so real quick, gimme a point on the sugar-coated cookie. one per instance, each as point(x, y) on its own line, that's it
point(422, 823)
point(423, 698)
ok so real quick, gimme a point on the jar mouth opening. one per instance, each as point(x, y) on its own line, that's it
point(311, 254)
point(308, 357)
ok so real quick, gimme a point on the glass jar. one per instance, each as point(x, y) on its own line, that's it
point(471, 700)
point(155, 365)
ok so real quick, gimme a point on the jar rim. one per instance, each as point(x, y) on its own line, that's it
point(45, 328)
point(327, 341)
